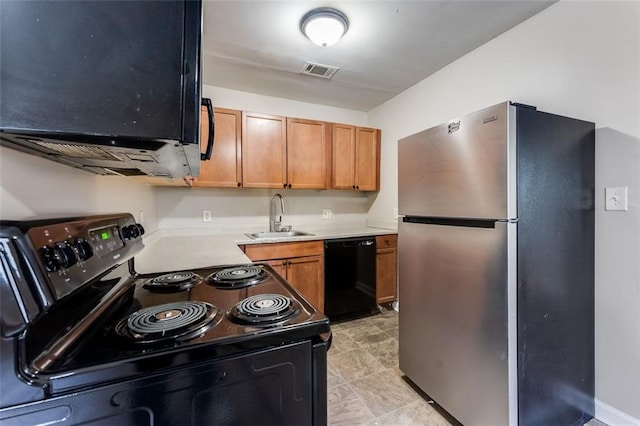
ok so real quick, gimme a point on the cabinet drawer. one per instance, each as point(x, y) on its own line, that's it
point(268, 251)
point(386, 241)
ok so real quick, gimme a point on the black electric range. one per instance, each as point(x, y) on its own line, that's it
point(87, 340)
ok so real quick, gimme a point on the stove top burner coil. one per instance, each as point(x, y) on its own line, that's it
point(264, 309)
point(238, 276)
point(174, 282)
point(177, 320)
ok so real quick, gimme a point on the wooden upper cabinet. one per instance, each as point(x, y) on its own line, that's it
point(254, 150)
point(306, 154)
point(264, 150)
point(367, 165)
point(355, 158)
point(343, 157)
point(279, 152)
point(224, 169)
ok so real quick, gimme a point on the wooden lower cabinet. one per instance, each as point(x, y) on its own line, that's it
point(306, 275)
point(386, 268)
point(279, 265)
point(300, 263)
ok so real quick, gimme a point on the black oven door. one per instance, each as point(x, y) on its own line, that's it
point(284, 385)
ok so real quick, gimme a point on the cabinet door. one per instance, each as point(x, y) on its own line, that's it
point(386, 275)
point(343, 156)
point(306, 275)
point(386, 268)
point(367, 165)
point(264, 144)
point(224, 167)
point(306, 154)
point(279, 265)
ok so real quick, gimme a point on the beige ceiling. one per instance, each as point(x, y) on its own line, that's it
point(257, 46)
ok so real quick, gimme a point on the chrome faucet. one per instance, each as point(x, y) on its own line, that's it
point(274, 225)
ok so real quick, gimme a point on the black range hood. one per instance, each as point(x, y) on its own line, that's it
point(111, 87)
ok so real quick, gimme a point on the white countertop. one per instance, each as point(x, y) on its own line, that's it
point(168, 250)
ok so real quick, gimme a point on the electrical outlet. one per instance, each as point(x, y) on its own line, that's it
point(327, 214)
point(615, 198)
point(206, 215)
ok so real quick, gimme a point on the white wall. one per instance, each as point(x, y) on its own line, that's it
point(580, 59)
point(249, 208)
point(234, 99)
point(182, 207)
point(32, 187)
point(618, 274)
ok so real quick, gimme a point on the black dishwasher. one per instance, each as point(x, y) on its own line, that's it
point(350, 278)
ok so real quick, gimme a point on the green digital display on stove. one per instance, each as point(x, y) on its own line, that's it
point(106, 240)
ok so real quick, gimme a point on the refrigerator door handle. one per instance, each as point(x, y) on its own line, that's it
point(471, 223)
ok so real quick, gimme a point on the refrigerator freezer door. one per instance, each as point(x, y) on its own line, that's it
point(458, 318)
point(463, 169)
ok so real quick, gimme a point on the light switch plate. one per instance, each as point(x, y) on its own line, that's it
point(615, 198)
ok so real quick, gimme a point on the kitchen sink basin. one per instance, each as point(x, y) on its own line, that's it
point(278, 234)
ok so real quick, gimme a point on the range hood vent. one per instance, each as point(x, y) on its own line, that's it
point(77, 151)
point(319, 70)
point(125, 171)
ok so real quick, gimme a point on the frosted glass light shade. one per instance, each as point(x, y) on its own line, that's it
point(324, 26)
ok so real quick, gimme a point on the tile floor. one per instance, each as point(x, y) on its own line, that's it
point(365, 385)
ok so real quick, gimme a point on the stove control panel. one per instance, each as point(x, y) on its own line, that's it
point(77, 250)
point(61, 255)
point(83, 248)
point(132, 231)
point(106, 240)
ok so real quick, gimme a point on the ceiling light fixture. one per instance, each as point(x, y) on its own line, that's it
point(324, 26)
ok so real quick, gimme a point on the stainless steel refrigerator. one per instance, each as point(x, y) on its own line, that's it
point(496, 266)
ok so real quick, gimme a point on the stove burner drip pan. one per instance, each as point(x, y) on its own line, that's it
point(174, 282)
point(170, 321)
point(238, 277)
point(264, 309)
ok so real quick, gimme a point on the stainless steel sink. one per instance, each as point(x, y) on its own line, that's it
point(280, 234)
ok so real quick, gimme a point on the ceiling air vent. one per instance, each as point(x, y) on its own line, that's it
point(319, 70)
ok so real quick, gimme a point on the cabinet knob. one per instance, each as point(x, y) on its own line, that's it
point(357, 187)
point(239, 184)
point(289, 185)
point(284, 185)
point(353, 187)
